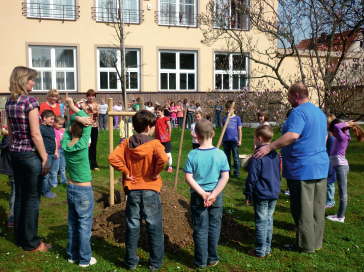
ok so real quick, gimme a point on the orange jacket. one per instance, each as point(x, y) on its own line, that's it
point(141, 162)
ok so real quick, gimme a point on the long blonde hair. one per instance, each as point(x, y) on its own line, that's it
point(19, 79)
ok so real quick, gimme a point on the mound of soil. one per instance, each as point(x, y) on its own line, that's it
point(177, 224)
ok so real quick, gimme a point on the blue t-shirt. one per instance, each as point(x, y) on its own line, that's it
point(306, 158)
point(231, 132)
point(218, 109)
point(206, 165)
point(61, 107)
point(49, 138)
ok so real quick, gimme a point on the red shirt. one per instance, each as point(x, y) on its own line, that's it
point(56, 110)
point(161, 130)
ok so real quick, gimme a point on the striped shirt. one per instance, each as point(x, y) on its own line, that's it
point(18, 113)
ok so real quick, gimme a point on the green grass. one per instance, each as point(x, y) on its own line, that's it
point(343, 247)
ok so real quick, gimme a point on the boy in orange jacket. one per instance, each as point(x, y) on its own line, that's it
point(141, 159)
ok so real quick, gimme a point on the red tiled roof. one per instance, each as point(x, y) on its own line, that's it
point(324, 44)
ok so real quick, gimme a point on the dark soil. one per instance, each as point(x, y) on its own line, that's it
point(110, 225)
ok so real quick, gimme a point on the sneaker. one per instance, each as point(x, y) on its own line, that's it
point(50, 195)
point(10, 224)
point(329, 206)
point(335, 218)
point(54, 186)
point(92, 262)
point(213, 264)
point(72, 261)
point(290, 247)
point(234, 176)
point(287, 192)
point(252, 253)
point(170, 170)
point(96, 169)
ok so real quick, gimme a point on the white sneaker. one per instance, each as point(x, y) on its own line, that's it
point(92, 262)
point(72, 261)
point(335, 218)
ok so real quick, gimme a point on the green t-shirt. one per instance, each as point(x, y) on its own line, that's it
point(76, 155)
point(136, 107)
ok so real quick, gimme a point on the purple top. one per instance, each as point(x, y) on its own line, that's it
point(18, 113)
point(337, 156)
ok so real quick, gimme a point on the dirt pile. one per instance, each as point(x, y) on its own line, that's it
point(177, 224)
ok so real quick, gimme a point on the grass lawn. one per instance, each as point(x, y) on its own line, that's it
point(343, 247)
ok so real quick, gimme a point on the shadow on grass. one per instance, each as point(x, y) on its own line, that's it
point(358, 168)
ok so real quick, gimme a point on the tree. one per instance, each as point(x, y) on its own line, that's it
point(315, 36)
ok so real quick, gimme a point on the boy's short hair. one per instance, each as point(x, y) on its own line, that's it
point(228, 104)
point(264, 113)
point(204, 129)
point(91, 92)
point(333, 123)
point(138, 99)
point(47, 114)
point(142, 119)
point(197, 104)
point(159, 107)
point(197, 113)
point(185, 100)
point(76, 129)
point(264, 131)
point(192, 102)
point(59, 118)
point(52, 92)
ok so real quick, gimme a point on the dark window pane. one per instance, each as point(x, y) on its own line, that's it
point(60, 81)
point(183, 81)
point(172, 81)
point(218, 82)
point(164, 81)
point(238, 62)
point(168, 61)
point(221, 62)
point(133, 80)
point(103, 80)
point(242, 81)
point(131, 59)
point(64, 58)
point(41, 57)
point(47, 80)
point(37, 82)
point(235, 82)
point(191, 81)
point(187, 61)
point(113, 80)
point(225, 83)
point(108, 58)
point(70, 80)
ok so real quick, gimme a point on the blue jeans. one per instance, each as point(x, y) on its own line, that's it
point(11, 199)
point(147, 204)
point(264, 226)
point(232, 147)
point(28, 182)
point(180, 122)
point(330, 201)
point(80, 214)
point(217, 119)
point(173, 122)
point(60, 165)
point(206, 229)
point(48, 179)
point(189, 120)
point(342, 182)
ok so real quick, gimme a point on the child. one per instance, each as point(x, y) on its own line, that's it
point(103, 107)
point(206, 172)
point(136, 106)
point(190, 111)
point(184, 105)
point(150, 107)
point(7, 169)
point(331, 177)
point(141, 159)
point(60, 163)
point(79, 191)
point(198, 117)
point(218, 110)
point(50, 144)
point(198, 107)
point(173, 114)
point(118, 107)
point(179, 114)
point(263, 183)
point(122, 133)
point(340, 130)
point(163, 133)
point(232, 138)
point(166, 110)
point(263, 116)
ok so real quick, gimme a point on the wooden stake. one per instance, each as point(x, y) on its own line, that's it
point(227, 121)
point(180, 147)
point(111, 148)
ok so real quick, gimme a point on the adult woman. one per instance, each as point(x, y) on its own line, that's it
point(27, 155)
point(92, 109)
point(117, 107)
point(51, 104)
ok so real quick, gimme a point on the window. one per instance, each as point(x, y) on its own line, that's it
point(178, 70)
point(178, 12)
point(108, 78)
point(230, 71)
point(52, 9)
point(231, 14)
point(56, 67)
point(110, 10)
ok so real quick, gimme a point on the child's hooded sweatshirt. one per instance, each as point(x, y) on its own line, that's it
point(141, 157)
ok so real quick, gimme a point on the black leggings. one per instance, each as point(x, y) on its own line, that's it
point(92, 149)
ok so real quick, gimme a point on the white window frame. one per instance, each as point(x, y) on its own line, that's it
point(113, 70)
point(230, 15)
point(53, 69)
point(178, 71)
point(52, 9)
point(132, 16)
point(230, 72)
point(175, 20)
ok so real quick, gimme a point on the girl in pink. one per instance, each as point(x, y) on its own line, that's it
point(179, 114)
point(173, 115)
point(61, 162)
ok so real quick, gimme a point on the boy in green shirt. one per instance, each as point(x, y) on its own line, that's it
point(79, 192)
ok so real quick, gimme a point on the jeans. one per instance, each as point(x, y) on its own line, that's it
point(11, 199)
point(217, 119)
point(189, 120)
point(232, 147)
point(264, 226)
point(147, 204)
point(330, 201)
point(60, 165)
point(50, 179)
point(180, 122)
point(342, 182)
point(206, 229)
point(92, 149)
point(80, 214)
point(102, 121)
point(116, 121)
point(28, 183)
point(173, 122)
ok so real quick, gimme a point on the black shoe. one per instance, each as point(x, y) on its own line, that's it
point(234, 176)
point(290, 247)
